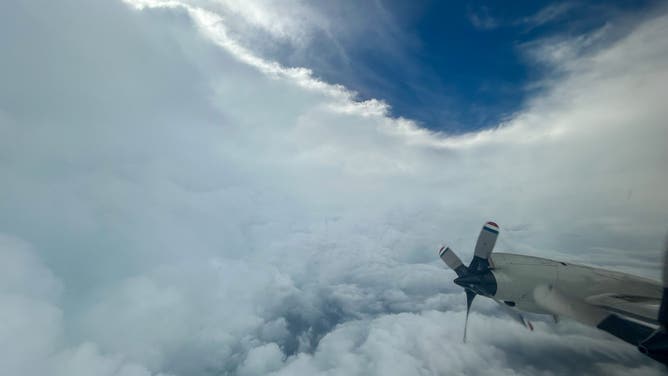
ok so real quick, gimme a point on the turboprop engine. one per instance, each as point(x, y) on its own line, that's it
point(477, 278)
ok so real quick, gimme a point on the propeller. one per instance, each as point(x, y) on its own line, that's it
point(476, 278)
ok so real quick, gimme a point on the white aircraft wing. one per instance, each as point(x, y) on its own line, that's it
point(614, 292)
point(623, 294)
point(643, 308)
point(629, 330)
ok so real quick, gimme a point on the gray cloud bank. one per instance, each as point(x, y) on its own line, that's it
point(172, 204)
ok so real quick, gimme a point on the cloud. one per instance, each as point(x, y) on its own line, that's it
point(177, 203)
point(481, 19)
point(547, 14)
point(33, 327)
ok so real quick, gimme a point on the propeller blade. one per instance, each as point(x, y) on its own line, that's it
point(452, 261)
point(470, 295)
point(484, 247)
point(515, 314)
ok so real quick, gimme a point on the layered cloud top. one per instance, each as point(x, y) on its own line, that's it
point(172, 202)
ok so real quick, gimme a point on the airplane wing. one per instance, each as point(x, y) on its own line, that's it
point(626, 295)
point(622, 294)
point(642, 308)
point(515, 314)
point(628, 330)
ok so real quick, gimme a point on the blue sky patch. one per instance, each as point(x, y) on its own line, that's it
point(452, 66)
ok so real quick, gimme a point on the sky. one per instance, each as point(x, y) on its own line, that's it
point(248, 188)
point(451, 66)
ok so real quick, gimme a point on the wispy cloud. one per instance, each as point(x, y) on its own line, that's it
point(548, 14)
point(481, 18)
